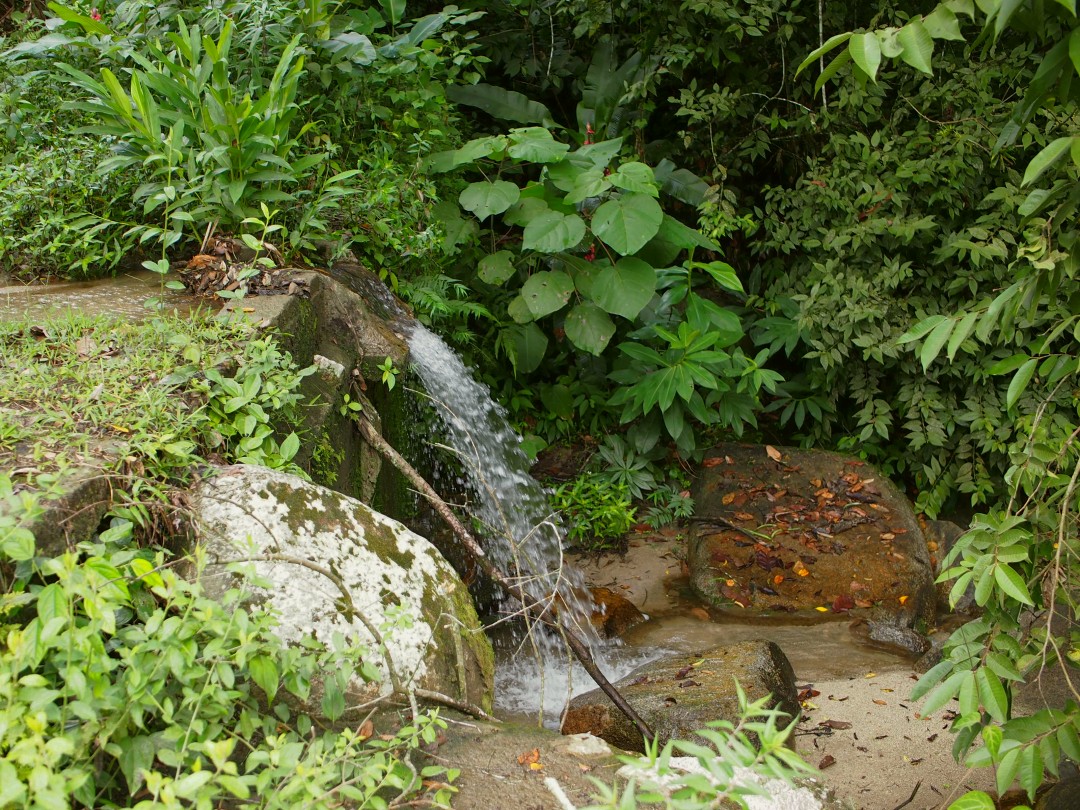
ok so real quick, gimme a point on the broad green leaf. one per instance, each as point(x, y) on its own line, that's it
point(552, 232)
point(1005, 11)
point(518, 310)
point(136, 755)
point(935, 341)
point(635, 176)
point(1020, 382)
point(866, 53)
point(525, 210)
point(589, 328)
point(1009, 364)
point(394, 10)
point(265, 674)
point(941, 23)
point(920, 329)
point(485, 198)
point(1011, 582)
point(1046, 158)
point(1069, 740)
point(961, 332)
point(627, 223)
point(535, 144)
point(289, 447)
point(931, 678)
point(17, 544)
point(625, 288)
point(497, 267)
point(508, 105)
point(992, 739)
point(1008, 765)
point(12, 789)
point(832, 68)
point(546, 292)
point(673, 231)
point(918, 46)
point(974, 800)
point(945, 691)
point(597, 154)
point(88, 24)
point(722, 273)
point(588, 183)
point(530, 344)
point(992, 694)
point(1031, 770)
point(52, 603)
point(828, 45)
point(558, 399)
point(682, 184)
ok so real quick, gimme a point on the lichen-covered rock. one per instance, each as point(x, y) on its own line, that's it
point(679, 695)
point(809, 532)
point(395, 579)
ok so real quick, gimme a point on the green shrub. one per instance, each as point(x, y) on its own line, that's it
point(596, 512)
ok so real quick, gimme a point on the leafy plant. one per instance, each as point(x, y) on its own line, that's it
point(122, 682)
point(729, 766)
point(596, 513)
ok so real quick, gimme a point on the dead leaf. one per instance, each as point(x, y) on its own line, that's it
point(903, 600)
point(712, 462)
point(778, 579)
point(888, 536)
point(838, 725)
point(743, 516)
point(842, 603)
point(772, 452)
point(880, 702)
point(85, 346)
point(367, 729)
point(529, 757)
point(536, 766)
point(826, 761)
point(863, 603)
point(700, 613)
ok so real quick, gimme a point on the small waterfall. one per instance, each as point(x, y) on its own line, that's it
point(525, 539)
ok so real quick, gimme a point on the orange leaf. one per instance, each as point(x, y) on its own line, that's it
point(712, 462)
point(772, 452)
point(903, 600)
point(743, 516)
point(778, 579)
point(529, 757)
point(367, 729)
point(727, 499)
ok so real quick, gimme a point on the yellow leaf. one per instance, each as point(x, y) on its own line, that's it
point(820, 609)
point(536, 766)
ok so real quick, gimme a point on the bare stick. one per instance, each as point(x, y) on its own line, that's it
point(551, 618)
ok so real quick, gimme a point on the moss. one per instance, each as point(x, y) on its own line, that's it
point(325, 460)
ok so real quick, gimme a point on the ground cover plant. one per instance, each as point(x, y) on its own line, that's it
point(123, 685)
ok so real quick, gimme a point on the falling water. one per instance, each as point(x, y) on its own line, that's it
point(525, 539)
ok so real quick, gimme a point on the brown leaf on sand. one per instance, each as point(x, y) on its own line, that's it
point(530, 758)
point(826, 761)
point(838, 725)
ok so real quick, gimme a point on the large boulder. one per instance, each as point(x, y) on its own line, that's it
point(309, 544)
point(679, 695)
point(783, 530)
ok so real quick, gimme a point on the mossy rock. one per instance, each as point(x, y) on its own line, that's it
point(393, 577)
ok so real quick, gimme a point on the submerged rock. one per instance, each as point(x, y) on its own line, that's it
point(808, 532)
point(678, 695)
point(395, 579)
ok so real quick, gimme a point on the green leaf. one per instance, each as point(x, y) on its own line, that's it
point(88, 24)
point(530, 344)
point(551, 232)
point(935, 341)
point(832, 68)
point(1008, 365)
point(1031, 770)
point(546, 292)
point(627, 223)
point(289, 447)
point(265, 674)
point(394, 10)
point(945, 692)
point(17, 544)
point(1020, 382)
point(828, 45)
point(589, 328)
point(1010, 582)
point(635, 176)
point(136, 755)
point(518, 310)
point(941, 23)
point(1046, 158)
point(496, 268)
point(992, 694)
point(52, 603)
point(931, 678)
point(485, 198)
point(866, 53)
point(508, 105)
point(961, 332)
point(625, 288)
point(920, 329)
point(1074, 49)
point(12, 789)
point(535, 144)
point(992, 736)
point(918, 46)
point(974, 800)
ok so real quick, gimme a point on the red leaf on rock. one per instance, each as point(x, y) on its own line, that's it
point(842, 604)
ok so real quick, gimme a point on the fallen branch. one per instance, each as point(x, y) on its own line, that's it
point(511, 588)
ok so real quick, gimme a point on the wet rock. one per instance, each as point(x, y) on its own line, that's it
point(1065, 795)
point(783, 530)
point(888, 631)
point(393, 577)
point(678, 695)
point(613, 613)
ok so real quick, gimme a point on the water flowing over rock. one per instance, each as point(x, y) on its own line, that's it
point(395, 579)
point(526, 540)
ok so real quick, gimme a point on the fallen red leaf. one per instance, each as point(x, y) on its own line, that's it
point(529, 757)
point(842, 604)
point(712, 462)
point(826, 761)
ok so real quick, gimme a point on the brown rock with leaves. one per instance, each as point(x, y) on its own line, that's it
point(790, 531)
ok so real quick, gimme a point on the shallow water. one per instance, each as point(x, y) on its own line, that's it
point(125, 294)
